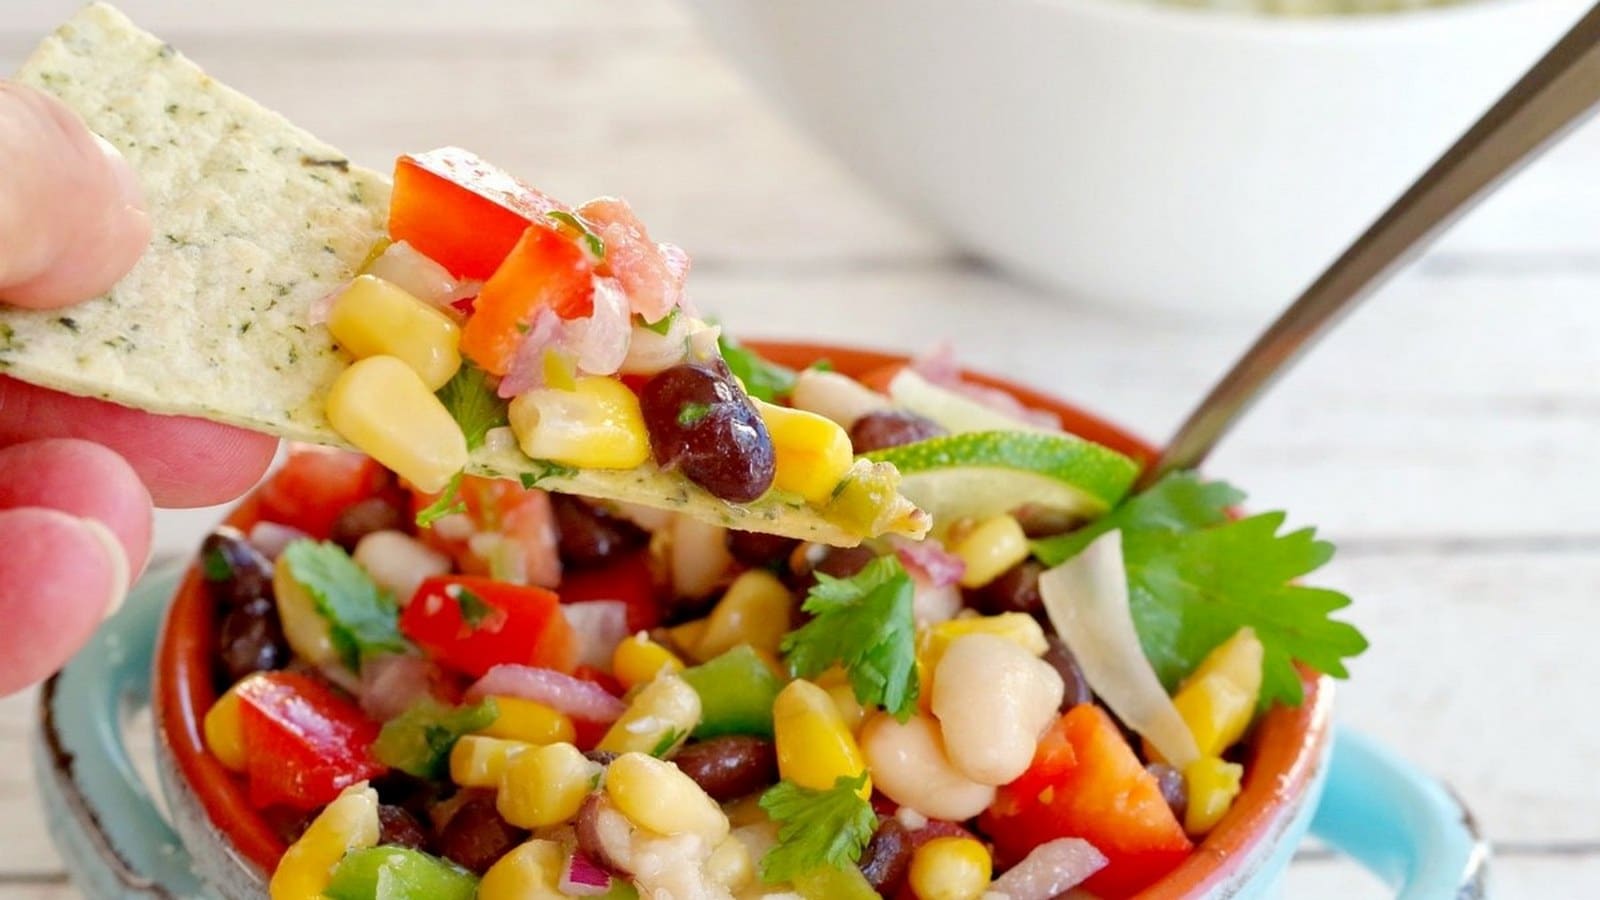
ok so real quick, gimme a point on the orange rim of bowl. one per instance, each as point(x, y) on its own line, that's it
point(1285, 749)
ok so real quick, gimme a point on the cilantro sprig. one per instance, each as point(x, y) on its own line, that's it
point(1195, 576)
point(363, 618)
point(864, 623)
point(762, 379)
point(816, 828)
point(473, 403)
point(449, 503)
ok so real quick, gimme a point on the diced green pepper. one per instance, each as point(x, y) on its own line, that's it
point(399, 873)
point(418, 741)
point(736, 692)
point(829, 883)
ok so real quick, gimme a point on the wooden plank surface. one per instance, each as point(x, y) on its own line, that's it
point(1445, 437)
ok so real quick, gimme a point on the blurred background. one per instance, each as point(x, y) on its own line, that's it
point(1108, 208)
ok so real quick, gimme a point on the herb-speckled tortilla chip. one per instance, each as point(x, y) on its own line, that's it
point(254, 221)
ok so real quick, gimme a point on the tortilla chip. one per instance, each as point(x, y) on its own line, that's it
point(254, 221)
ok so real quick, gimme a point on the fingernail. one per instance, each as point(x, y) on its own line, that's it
point(121, 572)
point(127, 181)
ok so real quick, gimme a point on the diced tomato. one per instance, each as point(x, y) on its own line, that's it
point(545, 268)
point(1086, 782)
point(651, 274)
point(316, 484)
point(473, 624)
point(464, 213)
point(304, 742)
point(519, 525)
point(630, 579)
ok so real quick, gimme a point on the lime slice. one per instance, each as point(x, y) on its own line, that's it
point(957, 412)
point(986, 473)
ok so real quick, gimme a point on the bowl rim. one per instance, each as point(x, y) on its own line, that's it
point(1286, 747)
point(1199, 20)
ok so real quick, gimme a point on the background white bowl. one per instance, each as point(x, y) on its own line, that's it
point(1177, 159)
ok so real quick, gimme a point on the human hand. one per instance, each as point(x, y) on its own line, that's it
point(78, 476)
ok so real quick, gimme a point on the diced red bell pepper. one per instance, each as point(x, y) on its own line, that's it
point(316, 484)
point(1086, 782)
point(630, 579)
point(304, 742)
point(519, 515)
point(545, 268)
point(462, 212)
point(473, 624)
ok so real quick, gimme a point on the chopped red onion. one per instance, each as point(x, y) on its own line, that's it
point(577, 698)
point(600, 341)
point(545, 332)
point(939, 367)
point(928, 557)
point(582, 877)
point(322, 307)
point(403, 266)
point(392, 684)
point(601, 625)
point(270, 537)
point(1051, 869)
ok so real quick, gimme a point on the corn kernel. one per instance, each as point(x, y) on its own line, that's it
point(814, 743)
point(686, 637)
point(658, 796)
point(387, 412)
point(305, 629)
point(223, 730)
point(595, 425)
point(545, 785)
point(813, 453)
point(754, 611)
point(1218, 700)
point(850, 709)
point(657, 720)
point(1213, 785)
point(477, 761)
point(637, 660)
point(529, 722)
point(530, 872)
point(375, 318)
point(730, 865)
point(989, 549)
point(950, 868)
point(350, 822)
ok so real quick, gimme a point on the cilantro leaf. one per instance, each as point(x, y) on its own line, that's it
point(667, 742)
point(1195, 577)
point(448, 504)
point(363, 618)
point(816, 828)
point(473, 403)
point(548, 469)
point(763, 380)
point(865, 623)
point(419, 740)
point(474, 609)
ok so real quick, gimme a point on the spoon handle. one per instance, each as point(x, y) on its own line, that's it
point(1554, 95)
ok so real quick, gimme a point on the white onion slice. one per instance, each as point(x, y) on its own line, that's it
point(650, 352)
point(1087, 599)
point(600, 625)
point(1051, 869)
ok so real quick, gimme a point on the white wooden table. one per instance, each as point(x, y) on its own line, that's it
point(1446, 439)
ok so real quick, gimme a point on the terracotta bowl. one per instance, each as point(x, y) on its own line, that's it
point(232, 848)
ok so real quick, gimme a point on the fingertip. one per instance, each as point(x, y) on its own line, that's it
point(57, 581)
point(81, 479)
point(218, 463)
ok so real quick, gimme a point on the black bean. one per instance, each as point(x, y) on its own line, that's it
point(400, 828)
point(235, 571)
point(887, 860)
point(590, 537)
point(891, 428)
point(476, 837)
point(729, 767)
point(603, 757)
point(1173, 788)
point(251, 640)
point(383, 512)
point(1015, 590)
point(1066, 665)
point(760, 551)
point(702, 424)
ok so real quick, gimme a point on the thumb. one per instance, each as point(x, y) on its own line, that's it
point(71, 213)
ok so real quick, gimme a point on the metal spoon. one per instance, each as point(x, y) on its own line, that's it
point(1557, 93)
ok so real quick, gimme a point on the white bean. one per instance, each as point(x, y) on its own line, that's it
point(838, 397)
point(909, 765)
point(700, 557)
point(993, 700)
point(399, 562)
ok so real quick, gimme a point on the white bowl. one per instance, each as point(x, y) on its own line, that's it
point(1177, 159)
